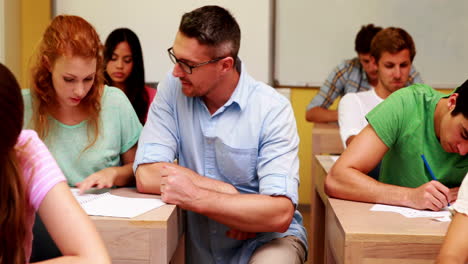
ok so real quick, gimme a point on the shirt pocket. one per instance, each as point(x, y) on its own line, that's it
point(238, 165)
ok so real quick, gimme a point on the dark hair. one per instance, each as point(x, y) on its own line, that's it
point(364, 38)
point(213, 26)
point(13, 204)
point(392, 40)
point(460, 106)
point(135, 83)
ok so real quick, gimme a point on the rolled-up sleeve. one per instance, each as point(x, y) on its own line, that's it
point(278, 163)
point(158, 141)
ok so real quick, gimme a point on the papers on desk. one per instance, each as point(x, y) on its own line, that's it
point(106, 204)
point(443, 215)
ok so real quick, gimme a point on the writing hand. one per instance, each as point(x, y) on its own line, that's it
point(453, 194)
point(432, 195)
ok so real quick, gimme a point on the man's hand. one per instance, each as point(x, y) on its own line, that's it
point(104, 178)
point(432, 195)
point(177, 186)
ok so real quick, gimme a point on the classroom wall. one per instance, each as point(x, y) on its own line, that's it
point(10, 33)
point(35, 17)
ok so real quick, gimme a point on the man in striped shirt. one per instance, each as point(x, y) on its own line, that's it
point(354, 75)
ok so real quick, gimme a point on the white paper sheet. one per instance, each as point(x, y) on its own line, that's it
point(411, 213)
point(107, 204)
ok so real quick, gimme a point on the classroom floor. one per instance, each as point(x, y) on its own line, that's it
point(304, 209)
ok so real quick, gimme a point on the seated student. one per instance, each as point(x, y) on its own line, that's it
point(30, 180)
point(413, 121)
point(236, 142)
point(455, 246)
point(90, 129)
point(393, 51)
point(354, 75)
point(124, 69)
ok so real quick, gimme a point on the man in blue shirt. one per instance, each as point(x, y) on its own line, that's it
point(351, 76)
point(236, 143)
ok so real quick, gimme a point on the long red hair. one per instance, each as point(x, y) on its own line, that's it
point(66, 35)
point(14, 203)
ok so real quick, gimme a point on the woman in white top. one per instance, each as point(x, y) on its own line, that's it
point(455, 247)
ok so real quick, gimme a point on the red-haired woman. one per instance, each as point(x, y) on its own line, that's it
point(91, 129)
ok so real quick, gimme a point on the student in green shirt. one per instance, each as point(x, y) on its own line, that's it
point(411, 122)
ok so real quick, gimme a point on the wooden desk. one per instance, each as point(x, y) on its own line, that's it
point(320, 167)
point(326, 139)
point(353, 234)
point(154, 237)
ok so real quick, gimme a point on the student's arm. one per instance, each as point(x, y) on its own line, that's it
point(148, 178)
point(455, 247)
point(215, 199)
point(334, 85)
point(71, 229)
point(319, 114)
point(244, 212)
point(112, 176)
point(348, 180)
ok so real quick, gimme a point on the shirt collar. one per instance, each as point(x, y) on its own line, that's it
point(240, 94)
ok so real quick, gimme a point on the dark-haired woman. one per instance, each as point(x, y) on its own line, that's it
point(124, 68)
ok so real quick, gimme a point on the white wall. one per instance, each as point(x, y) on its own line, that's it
point(315, 36)
point(156, 23)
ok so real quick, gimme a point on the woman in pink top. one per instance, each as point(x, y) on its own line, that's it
point(30, 181)
point(124, 69)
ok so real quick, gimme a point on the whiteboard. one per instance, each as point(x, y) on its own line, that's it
point(156, 23)
point(312, 37)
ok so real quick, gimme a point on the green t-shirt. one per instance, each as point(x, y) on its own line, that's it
point(119, 130)
point(405, 123)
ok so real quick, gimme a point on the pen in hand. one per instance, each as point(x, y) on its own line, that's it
point(430, 170)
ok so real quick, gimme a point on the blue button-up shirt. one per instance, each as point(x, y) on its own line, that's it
point(250, 142)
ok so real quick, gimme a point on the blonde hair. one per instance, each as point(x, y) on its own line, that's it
point(66, 35)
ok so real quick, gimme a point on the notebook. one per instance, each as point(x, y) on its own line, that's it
point(107, 204)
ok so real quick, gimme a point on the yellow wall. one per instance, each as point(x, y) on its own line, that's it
point(35, 17)
point(300, 98)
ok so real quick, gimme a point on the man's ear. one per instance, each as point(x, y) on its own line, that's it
point(452, 101)
point(227, 64)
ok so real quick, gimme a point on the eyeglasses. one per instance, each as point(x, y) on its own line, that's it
point(188, 68)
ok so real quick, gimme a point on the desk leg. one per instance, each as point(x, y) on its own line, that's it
point(317, 221)
point(317, 232)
